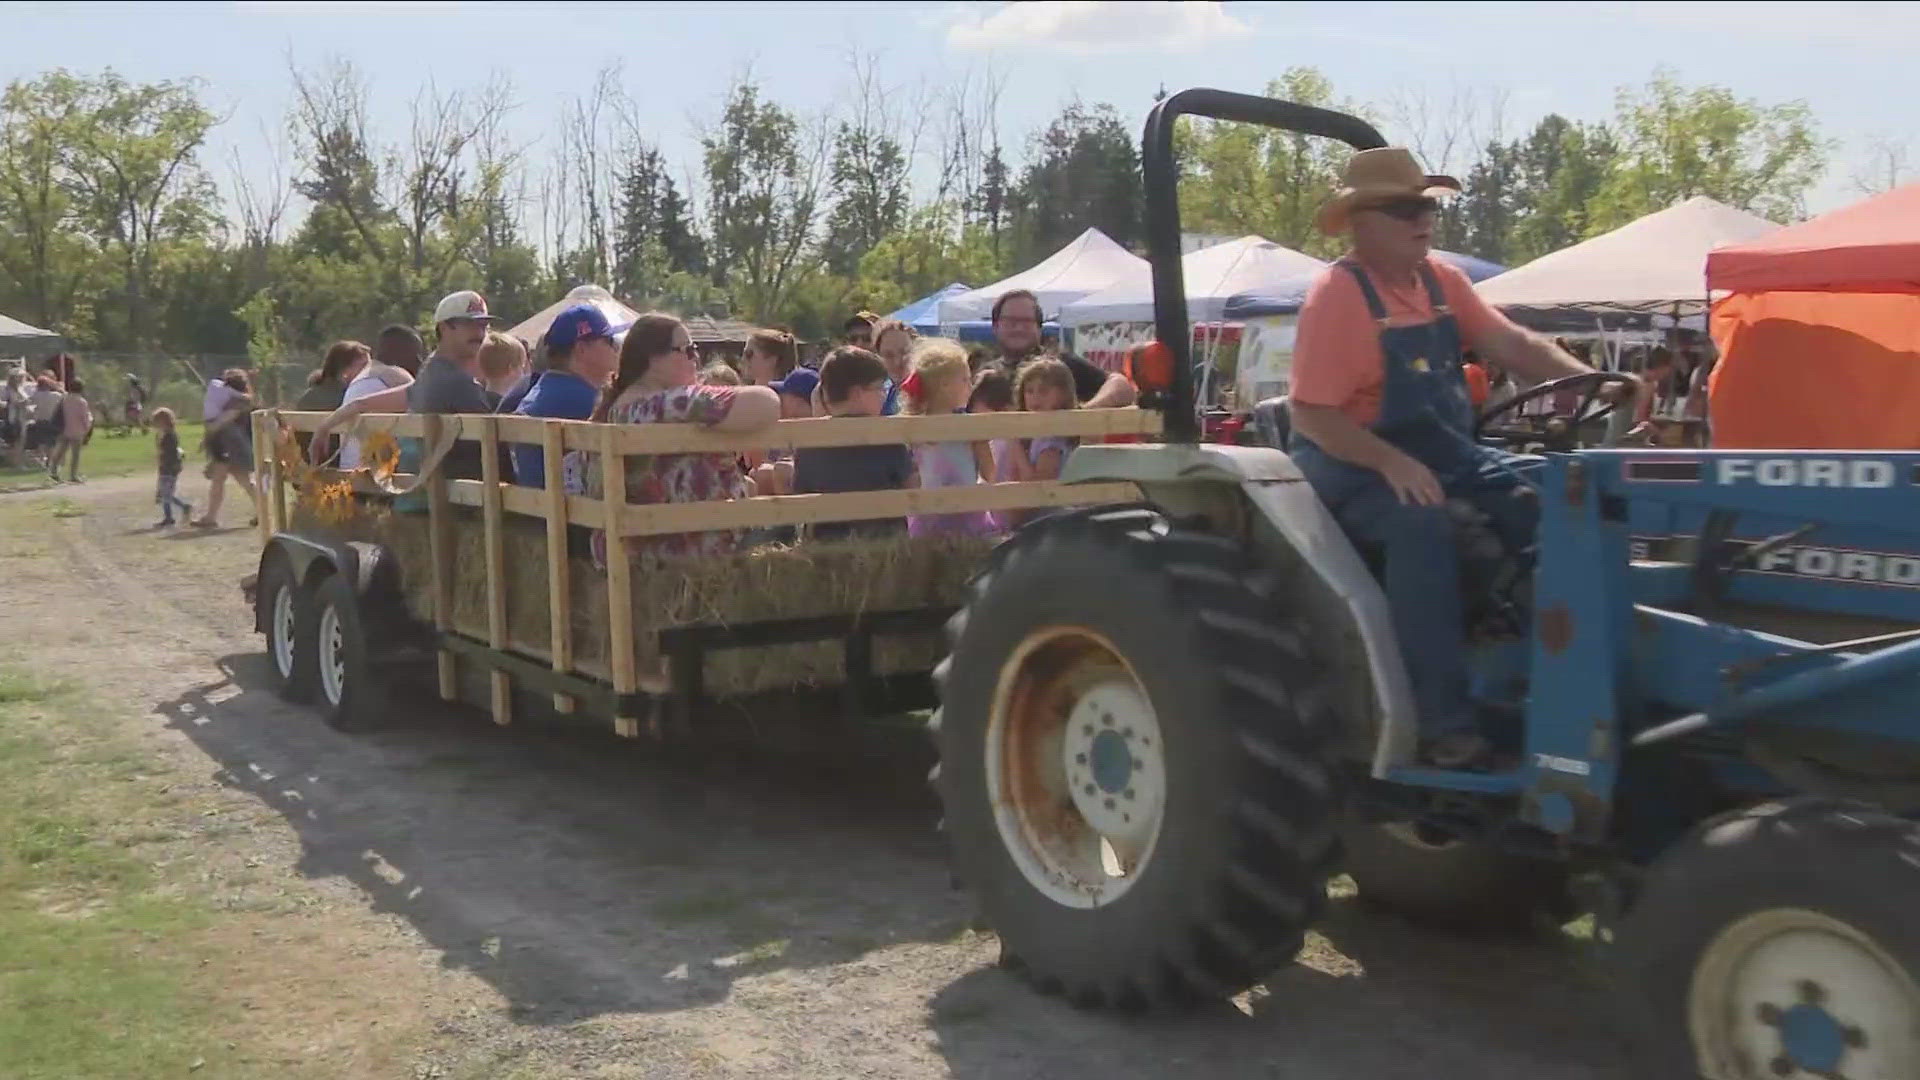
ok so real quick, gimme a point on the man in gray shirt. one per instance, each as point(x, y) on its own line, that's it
point(449, 380)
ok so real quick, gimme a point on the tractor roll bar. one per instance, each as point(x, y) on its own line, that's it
point(1161, 176)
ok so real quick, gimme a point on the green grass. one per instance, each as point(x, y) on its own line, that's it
point(96, 976)
point(105, 457)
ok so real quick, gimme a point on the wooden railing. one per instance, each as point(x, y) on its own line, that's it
point(614, 443)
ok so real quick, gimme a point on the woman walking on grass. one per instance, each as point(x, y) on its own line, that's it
point(75, 420)
point(229, 445)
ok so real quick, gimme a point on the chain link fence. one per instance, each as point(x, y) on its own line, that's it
point(179, 382)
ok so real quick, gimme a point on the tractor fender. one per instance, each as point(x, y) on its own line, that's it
point(370, 567)
point(1287, 524)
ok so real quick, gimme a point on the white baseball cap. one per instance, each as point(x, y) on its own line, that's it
point(465, 304)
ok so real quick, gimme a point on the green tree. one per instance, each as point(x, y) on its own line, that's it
point(653, 236)
point(763, 200)
point(1677, 142)
point(1243, 178)
point(1083, 172)
point(868, 177)
point(933, 248)
point(45, 257)
point(136, 170)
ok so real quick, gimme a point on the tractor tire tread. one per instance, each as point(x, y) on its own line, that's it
point(1283, 844)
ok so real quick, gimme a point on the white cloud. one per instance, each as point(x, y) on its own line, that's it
point(1094, 26)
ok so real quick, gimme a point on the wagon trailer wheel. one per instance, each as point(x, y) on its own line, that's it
point(286, 614)
point(353, 693)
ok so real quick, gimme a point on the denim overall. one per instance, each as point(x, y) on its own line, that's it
point(1425, 412)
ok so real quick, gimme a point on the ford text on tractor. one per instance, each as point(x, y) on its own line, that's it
point(1166, 724)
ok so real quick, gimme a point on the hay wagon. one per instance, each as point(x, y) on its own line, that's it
point(485, 588)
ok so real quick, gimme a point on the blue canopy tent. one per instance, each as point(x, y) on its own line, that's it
point(924, 314)
point(1285, 297)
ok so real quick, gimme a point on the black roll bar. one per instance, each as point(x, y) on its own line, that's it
point(1161, 176)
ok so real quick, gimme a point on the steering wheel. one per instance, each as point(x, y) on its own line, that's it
point(1558, 432)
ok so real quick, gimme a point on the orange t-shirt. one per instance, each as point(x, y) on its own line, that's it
point(1336, 350)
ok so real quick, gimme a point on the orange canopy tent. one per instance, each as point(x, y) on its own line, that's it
point(1820, 339)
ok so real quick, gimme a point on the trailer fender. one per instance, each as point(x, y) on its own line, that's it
point(371, 568)
point(1290, 522)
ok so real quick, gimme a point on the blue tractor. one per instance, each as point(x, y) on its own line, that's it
point(1165, 725)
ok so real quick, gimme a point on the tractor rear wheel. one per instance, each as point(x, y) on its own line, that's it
point(1132, 762)
point(1440, 880)
point(1779, 941)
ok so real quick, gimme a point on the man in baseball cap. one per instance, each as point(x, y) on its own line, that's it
point(582, 354)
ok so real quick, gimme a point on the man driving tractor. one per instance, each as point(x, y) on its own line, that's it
point(1383, 429)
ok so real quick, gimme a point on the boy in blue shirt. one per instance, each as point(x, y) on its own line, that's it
point(581, 357)
point(853, 382)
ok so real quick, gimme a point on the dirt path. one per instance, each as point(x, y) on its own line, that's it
point(446, 898)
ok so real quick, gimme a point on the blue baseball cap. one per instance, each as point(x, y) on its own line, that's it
point(581, 322)
point(800, 383)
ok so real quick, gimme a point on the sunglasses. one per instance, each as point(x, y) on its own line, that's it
point(1409, 208)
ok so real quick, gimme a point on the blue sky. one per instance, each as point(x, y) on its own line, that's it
point(1853, 63)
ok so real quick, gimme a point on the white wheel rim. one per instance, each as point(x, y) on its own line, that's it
point(1075, 767)
point(1794, 993)
point(281, 627)
point(333, 665)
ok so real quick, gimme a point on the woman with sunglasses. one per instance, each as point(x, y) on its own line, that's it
point(1383, 428)
point(657, 383)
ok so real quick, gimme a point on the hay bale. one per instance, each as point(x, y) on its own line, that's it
point(765, 583)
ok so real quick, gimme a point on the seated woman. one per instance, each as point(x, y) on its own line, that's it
point(657, 384)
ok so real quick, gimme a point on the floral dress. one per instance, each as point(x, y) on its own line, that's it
point(666, 478)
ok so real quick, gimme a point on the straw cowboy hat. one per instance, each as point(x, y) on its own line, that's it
point(1377, 176)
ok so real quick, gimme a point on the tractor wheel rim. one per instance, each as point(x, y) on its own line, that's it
point(333, 665)
point(1414, 836)
point(1075, 767)
point(1795, 993)
point(282, 626)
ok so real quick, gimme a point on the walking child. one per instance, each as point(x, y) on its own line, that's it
point(168, 441)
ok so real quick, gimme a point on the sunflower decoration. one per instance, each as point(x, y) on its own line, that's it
point(291, 459)
point(333, 502)
point(380, 454)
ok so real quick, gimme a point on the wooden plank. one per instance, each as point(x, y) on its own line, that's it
point(559, 585)
point(768, 510)
point(793, 434)
point(263, 518)
point(496, 558)
point(277, 475)
point(440, 550)
point(529, 502)
point(872, 431)
point(613, 479)
point(395, 424)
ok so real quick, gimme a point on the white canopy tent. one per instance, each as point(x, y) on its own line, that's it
point(18, 337)
point(1213, 274)
point(1088, 264)
point(1655, 265)
point(534, 328)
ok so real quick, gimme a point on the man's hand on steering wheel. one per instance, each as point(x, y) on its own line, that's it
point(1603, 392)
